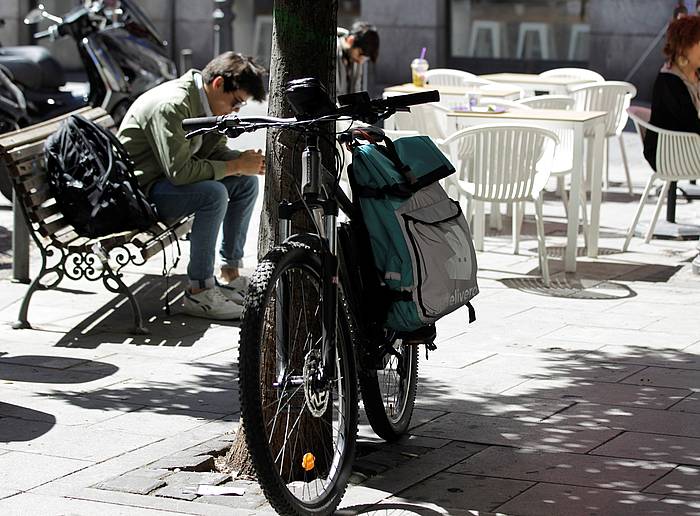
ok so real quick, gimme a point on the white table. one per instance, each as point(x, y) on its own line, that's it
point(533, 82)
point(580, 122)
point(454, 95)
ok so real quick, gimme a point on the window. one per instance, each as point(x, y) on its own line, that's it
point(532, 30)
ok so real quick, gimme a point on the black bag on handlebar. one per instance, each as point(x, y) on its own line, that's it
point(92, 178)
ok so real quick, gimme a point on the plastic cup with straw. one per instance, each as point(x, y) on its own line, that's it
point(418, 68)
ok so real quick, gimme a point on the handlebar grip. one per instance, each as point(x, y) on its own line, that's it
point(192, 124)
point(412, 99)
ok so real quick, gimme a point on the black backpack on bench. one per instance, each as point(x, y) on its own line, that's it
point(92, 179)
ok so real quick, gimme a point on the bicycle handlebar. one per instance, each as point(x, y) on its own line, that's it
point(368, 111)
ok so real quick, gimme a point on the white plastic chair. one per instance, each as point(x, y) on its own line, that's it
point(548, 102)
point(450, 77)
point(563, 163)
point(504, 163)
point(677, 158)
point(642, 113)
point(574, 73)
point(614, 98)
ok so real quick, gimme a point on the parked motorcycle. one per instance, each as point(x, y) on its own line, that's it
point(121, 51)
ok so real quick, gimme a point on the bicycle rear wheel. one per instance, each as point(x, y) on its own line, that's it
point(300, 434)
point(389, 393)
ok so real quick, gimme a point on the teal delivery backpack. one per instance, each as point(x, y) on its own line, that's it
point(419, 237)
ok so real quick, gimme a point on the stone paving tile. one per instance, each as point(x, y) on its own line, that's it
point(599, 392)
point(651, 309)
point(612, 336)
point(667, 377)
point(75, 442)
point(689, 404)
point(682, 481)
point(15, 475)
point(75, 412)
point(557, 500)
point(637, 445)
point(632, 419)
point(516, 369)
point(26, 504)
point(563, 468)
point(140, 481)
point(149, 422)
point(455, 491)
point(5, 492)
point(166, 397)
point(184, 484)
point(421, 467)
point(677, 323)
point(579, 318)
point(687, 358)
point(516, 407)
point(520, 434)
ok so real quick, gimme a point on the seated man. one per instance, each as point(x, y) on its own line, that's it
point(202, 175)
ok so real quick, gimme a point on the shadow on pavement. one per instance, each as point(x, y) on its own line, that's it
point(388, 509)
point(35, 423)
point(584, 432)
point(212, 390)
point(113, 322)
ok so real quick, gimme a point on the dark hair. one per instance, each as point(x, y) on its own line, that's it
point(239, 73)
point(366, 39)
point(682, 34)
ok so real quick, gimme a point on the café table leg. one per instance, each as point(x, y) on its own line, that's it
point(598, 166)
point(574, 199)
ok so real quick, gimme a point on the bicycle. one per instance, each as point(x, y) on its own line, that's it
point(310, 333)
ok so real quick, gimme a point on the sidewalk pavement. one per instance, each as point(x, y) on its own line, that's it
point(579, 399)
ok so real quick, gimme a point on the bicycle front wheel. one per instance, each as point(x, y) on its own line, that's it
point(300, 431)
point(389, 393)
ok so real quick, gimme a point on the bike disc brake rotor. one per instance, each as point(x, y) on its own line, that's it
point(317, 396)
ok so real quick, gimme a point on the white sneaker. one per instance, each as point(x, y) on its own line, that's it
point(235, 289)
point(211, 304)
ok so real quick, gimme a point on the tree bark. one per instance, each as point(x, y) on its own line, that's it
point(303, 45)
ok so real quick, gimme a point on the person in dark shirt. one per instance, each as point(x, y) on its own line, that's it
point(675, 101)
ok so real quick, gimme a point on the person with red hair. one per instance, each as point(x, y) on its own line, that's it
point(675, 101)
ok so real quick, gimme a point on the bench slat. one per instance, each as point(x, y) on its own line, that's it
point(31, 150)
point(36, 199)
point(40, 132)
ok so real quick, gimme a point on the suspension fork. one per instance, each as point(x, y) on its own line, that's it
point(324, 213)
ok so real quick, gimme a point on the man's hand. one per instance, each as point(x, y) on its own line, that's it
point(248, 163)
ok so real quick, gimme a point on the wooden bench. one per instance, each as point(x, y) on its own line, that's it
point(64, 253)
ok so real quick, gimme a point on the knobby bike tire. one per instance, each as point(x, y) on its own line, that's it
point(389, 396)
point(277, 458)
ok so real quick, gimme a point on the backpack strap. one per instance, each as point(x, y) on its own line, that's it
point(472, 312)
point(396, 190)
point(389, 150)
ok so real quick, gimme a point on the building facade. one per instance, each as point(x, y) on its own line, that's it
point(621, 39)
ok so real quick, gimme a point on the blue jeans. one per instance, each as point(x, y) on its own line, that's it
point(226, 204)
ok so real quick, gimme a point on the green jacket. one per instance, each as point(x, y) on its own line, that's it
point(153, 136)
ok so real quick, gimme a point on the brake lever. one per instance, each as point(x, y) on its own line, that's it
point(197, 132)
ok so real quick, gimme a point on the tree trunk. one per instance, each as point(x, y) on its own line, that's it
point(303, 45)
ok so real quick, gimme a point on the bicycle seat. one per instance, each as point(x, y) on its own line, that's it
point(33, 66)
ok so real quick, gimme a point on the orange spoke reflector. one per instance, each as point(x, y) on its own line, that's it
point(308, 461)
